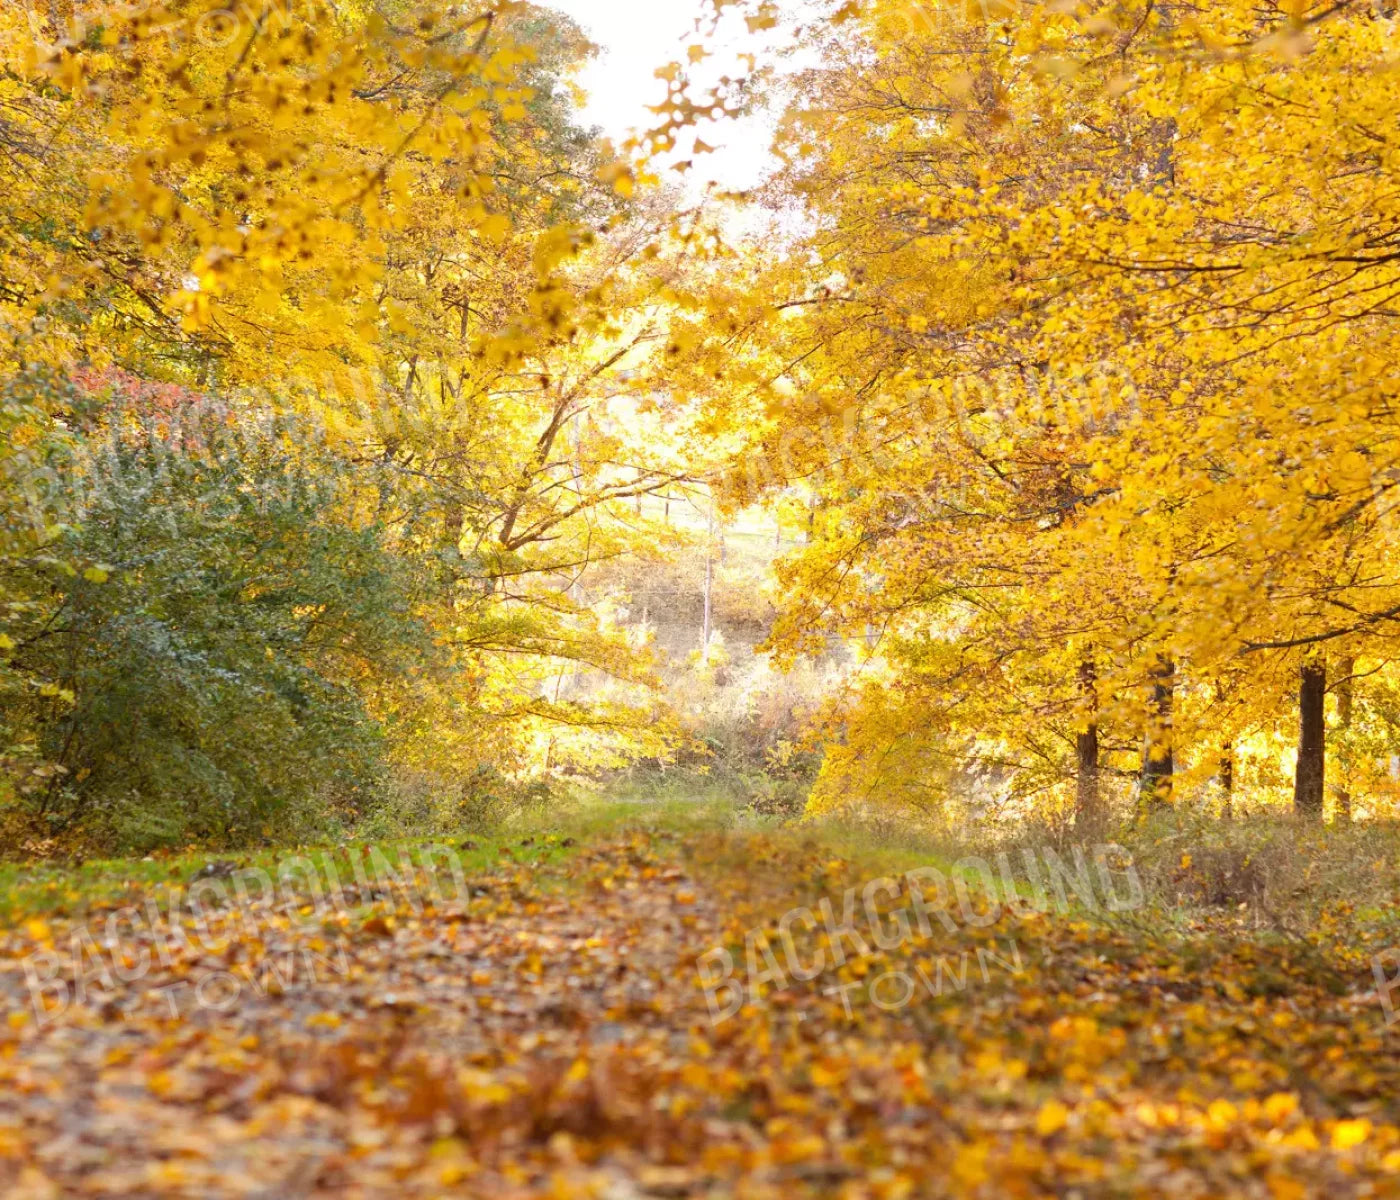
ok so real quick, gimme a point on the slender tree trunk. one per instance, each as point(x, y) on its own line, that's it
point(1312, 741)
point(1087, 752)
point(709, 577)
point(705, 620)
point(1158, 765)
point(453, 517)
point(1345, 697)
point(1226, 770)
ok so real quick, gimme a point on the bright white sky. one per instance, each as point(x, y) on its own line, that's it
point(635, 38)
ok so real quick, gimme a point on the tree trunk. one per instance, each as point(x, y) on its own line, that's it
point(453, 517)
point(709, 577)
point(1227, 780)
point(705, 619)
point(1087, 752)
point(1312, 755)
point(1345, 698)
point(1157, 762)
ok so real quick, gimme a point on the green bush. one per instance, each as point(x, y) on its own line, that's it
point(424, 804)
point(211, 662)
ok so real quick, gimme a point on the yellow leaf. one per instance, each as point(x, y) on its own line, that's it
point(496, 227)
point(1346, 1134)
point(1281, 1187)
point(1053, 1117)
point(1302, 1138)
point(1222, 1113)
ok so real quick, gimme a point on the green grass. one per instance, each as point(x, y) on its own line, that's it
point(539, 840)
point(40, 889)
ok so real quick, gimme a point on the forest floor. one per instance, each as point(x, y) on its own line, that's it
point(525, 1017)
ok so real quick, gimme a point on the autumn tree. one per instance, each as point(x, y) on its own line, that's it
point(1087, 368)
point(385, 222)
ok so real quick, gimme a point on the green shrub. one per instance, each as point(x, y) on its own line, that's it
point(211, 665)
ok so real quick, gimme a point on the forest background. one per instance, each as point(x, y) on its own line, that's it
point(387, 452)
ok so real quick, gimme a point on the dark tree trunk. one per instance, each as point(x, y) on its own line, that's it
point(1226, 762)
point(1087, 753)
point(1312, 741)
point(1345, 698)
point(1157, 761)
